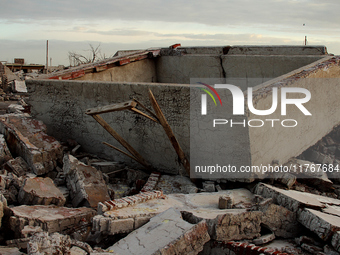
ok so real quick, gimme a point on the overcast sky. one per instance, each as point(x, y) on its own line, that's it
point(72, 25)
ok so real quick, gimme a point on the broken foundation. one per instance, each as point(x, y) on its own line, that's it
point(167, 72)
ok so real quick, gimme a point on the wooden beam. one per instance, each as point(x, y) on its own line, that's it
point(120, 139)
point(121, 151)
point(169, 132)
point(143, 114)
point(112, 108)
point(146, 109)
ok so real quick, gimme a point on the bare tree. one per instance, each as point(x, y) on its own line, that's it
point(79, 59)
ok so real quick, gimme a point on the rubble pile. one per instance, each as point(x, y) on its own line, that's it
point(57, 199)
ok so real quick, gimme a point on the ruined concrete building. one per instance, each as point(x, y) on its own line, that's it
point(62, 191)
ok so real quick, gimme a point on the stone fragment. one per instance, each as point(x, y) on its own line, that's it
point(15, 108)
point(225, 202)
point(209, 186)
point(49, 218)
point(57, 244)
point(264, 239)
point(86, 184)
point(5, 154)
point(28, 139)
point(18, 166)
point(286, 179)
point(40, 191)
point(19, 86)
point(166, 233)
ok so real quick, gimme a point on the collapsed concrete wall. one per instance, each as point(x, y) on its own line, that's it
point(62, 104)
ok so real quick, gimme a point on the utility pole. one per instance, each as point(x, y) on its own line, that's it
point(47, 56)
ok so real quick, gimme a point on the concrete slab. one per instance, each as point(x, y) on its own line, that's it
point(49, 218)
point(199, 206)
point(292, 199)
point(26, 137)
point(322, 224)
point(166, 233)
point(86, 184)
point(40, 191)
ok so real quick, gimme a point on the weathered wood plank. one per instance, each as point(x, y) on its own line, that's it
point(112, 108)
point(169, 132)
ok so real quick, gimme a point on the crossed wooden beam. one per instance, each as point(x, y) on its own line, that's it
point(158, 117)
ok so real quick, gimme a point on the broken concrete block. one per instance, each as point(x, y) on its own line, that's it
point(209, 186)
point(225, 202)
point(286, 179)
point(28, 139)
point(15, 108)
point(40, 191)
point(235, 224)
point(264, 239)
point(49, 218)
point(18, 166)
point(19, 86)
point(281, 221)
point(166, 233)
point(86, 184)
point(45, 243)
point(291, 199)
point(5, 154)
point(322, 224)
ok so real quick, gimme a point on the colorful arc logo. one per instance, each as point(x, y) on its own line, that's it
point(209, 93)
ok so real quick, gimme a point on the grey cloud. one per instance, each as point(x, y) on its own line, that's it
point(216, 12)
